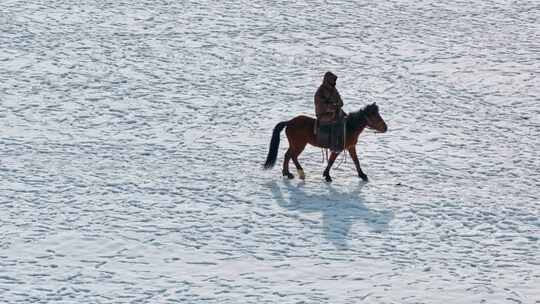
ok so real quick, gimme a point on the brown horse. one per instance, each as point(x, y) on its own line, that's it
point(299, 132)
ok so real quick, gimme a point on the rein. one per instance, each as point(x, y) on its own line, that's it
point(324, 151)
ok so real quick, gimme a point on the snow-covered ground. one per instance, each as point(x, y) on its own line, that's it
point(132, 135)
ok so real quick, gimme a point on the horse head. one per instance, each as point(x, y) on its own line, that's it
point(374, 119)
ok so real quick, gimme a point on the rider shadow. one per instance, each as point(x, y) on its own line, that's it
point(339, 210)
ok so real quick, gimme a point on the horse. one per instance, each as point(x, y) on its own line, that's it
point(300, 132)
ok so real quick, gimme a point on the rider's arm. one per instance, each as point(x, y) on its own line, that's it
point(322, 103)
point(339, 101)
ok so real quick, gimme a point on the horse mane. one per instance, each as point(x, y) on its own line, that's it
point(357, 119)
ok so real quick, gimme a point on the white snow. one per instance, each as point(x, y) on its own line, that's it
point(132, 135)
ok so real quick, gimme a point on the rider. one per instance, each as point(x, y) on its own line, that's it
point(328, 109)
point(328, 102)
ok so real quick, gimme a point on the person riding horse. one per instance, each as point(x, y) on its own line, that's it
point(328, 109)
point(331, 124)
point(328, 102)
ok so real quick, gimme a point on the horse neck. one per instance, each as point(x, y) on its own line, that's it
point(359, 126)
point(360, 129)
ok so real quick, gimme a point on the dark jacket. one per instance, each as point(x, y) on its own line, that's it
point(328, 102)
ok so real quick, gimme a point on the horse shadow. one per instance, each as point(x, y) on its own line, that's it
point(339, 209)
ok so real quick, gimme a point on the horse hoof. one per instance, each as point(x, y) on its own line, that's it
point(327, 178)
point(301, 174)
point(288, 175)
point(363, 177)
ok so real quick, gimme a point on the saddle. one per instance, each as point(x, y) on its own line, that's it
point(331, 135)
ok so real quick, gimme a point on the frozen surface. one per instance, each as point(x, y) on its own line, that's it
point(132, 135)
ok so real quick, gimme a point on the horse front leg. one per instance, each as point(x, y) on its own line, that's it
point(331, 160)
point(361, 174)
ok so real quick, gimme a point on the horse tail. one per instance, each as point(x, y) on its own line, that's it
point(274, 145)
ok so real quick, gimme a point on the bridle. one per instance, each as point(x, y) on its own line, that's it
point(368, 123)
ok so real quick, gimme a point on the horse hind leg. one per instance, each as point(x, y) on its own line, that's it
point(299, 168)
point(297, 143)
point(286, 171)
